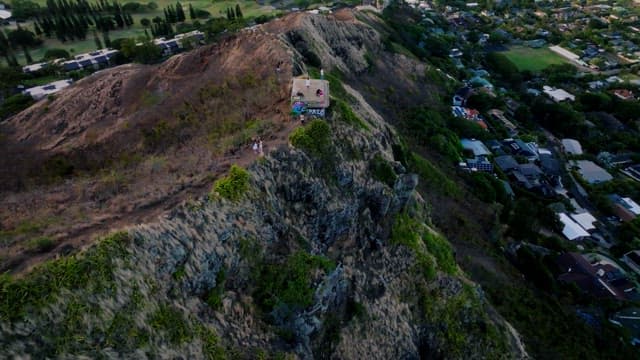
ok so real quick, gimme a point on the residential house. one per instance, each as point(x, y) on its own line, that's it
point(632, 171)
point(571, 147)
point(599, 280)
point(499, 116)
point(585, 220)
point(91, 60)
point(469, 114)
point(480, 161)
point(592, 173)
point(34, 67)
point(632, 258)
point(461, 96)
point(476, 147)
point(630, 320)
point(520, 148)
point(610, 160)
point(552, 169)
point(624, 94)
point(506, 163)
point(625, 208)
point(39, 92)
point(571, 229)
point(495, 146)
point(558, 95)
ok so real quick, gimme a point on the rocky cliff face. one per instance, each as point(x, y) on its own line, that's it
point(328, 254)
point(171, 285)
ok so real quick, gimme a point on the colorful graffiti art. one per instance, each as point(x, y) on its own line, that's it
point(298, 107)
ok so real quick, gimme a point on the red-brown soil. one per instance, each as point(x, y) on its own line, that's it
point(123, 145)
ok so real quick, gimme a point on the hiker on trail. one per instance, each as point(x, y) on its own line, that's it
point(260, 149)
point(255, 147)
point(319, 92)
point(307, 82)
point(321, 74)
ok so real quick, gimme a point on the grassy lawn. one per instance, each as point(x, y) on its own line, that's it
point(629, 77)
point(535, 60)
point(215, 7)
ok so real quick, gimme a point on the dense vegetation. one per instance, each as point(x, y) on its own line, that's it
point(234, 185)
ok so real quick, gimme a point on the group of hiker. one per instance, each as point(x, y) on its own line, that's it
point(257, 147)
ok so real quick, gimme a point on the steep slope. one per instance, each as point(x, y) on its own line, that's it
point(330, 253)
point(124, 144)
point(382, 283)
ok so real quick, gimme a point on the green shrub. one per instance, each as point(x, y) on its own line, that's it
point(314, 138)
point(441, 250)
point(14, 104)
point(40, 244)
point(433, 176)
point(214, 297)
point(52, 54)
point(289, 283)
point(382, 171)
point(211, 348)
point(405, 231)
point(172, 322)
point(348, 116)
point(92, 269)
point(427, 245)
point(234, 185)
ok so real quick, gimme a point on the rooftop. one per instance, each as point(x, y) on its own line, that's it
point(585, 220)
point(592, 173)
point(572, 146)
point(558, 95)
point(313, 92)
point(476, 146)
point(39, 92)
point(571, 229)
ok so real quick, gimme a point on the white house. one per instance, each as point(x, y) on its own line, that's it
point(558, 95)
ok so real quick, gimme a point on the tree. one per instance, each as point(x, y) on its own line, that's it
point(107, 40)
point(96, 39)
point(192, 13)
point(37, 29)
point(145, 53)
point(6, 51)
point(145, 22)
point(52, 54)
point(24, 9)
point(179, 12)
point(238, 11)
point(24, 39)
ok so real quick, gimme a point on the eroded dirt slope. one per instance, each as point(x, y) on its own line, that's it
point(122, 145)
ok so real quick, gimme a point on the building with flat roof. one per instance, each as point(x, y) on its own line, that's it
point(558, 95)
point(91, 60)
point(475, 146)
point(310, 96)
point(39, 92)
point(34, 67)
point(592, 173)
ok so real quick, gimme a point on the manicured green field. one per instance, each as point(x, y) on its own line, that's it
point(217, 8)
point(535, 60)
